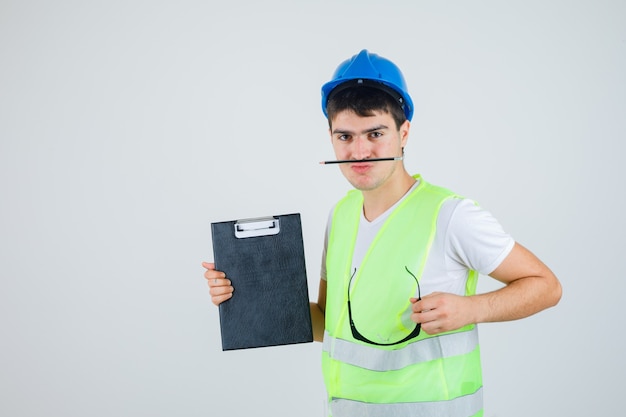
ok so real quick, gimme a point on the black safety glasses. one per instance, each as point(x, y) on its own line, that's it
point(358, 336)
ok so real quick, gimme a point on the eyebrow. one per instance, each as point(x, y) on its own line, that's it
point(370, 130)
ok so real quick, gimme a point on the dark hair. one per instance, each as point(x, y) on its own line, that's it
point(364, 101)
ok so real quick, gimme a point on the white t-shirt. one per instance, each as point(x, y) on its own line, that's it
point(467, 237)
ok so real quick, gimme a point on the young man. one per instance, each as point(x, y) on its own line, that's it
point(397, 309)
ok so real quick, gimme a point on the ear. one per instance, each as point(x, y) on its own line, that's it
point(404, 132)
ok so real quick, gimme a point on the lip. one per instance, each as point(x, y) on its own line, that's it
point(361, 167)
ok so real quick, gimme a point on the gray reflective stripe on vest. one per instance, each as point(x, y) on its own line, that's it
point(465, 406)
point(375, 359)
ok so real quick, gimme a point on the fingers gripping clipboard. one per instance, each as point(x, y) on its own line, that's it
point(264, 259)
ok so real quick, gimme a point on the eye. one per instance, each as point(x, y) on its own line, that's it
point(375, 135)
point(343, 138)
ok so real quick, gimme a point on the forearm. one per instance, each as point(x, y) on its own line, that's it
point(519, 299)
point(317, 321)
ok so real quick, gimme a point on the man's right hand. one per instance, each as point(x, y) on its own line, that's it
point(220, 287)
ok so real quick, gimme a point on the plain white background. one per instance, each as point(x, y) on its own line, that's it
point(126, 127)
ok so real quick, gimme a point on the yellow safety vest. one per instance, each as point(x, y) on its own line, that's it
point(425, 376)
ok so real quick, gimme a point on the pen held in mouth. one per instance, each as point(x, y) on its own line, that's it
point(354, 161)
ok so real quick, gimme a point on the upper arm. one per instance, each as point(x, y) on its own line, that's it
point(530, 286)
point(521, 263)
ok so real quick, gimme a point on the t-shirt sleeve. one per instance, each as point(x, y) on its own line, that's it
point(326, 233)
point(475, 238)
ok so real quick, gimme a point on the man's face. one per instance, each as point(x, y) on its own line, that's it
point(355, 137)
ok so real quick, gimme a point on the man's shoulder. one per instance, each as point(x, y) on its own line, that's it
point(436, 189)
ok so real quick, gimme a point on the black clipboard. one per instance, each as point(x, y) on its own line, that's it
point(264, 259)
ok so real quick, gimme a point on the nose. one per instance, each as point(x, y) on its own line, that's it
point(361, 148)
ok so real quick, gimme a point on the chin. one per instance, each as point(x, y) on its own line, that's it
point(363, 184)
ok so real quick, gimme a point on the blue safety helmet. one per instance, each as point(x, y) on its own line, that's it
point(369, 70)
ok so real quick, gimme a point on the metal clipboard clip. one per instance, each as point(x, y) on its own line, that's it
point(261, 226)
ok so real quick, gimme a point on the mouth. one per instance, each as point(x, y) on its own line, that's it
point(361, 167)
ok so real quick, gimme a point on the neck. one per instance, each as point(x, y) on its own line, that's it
point(379, 200)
